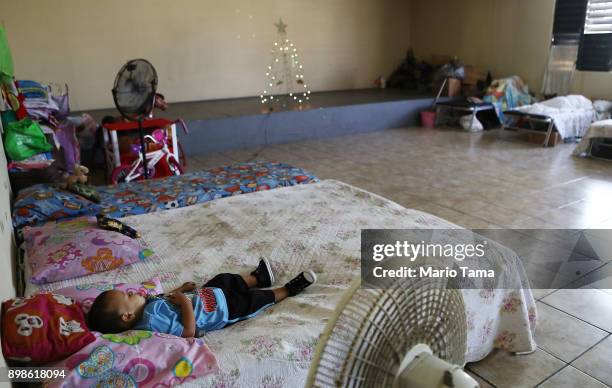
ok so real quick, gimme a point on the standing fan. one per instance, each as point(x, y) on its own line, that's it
point(134, 95)
point(412, 335)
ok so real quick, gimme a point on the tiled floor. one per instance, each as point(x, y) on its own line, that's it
point(491, 180)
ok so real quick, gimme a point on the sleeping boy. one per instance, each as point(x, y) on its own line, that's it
point(190, 312)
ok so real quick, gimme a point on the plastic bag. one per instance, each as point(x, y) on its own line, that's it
point(468, 125)
point(24, 139)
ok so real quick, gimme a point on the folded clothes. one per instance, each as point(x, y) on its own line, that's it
point(38, 161)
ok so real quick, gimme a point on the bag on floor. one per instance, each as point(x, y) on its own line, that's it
point(469, 125)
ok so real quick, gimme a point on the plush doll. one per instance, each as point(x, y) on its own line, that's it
point(77, 183)
point(79, 175)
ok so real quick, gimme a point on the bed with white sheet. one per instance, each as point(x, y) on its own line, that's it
point(313, 226)
point(570, 115)
point(599, 129)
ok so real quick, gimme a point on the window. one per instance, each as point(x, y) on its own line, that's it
point(598, 18)
point(588, 25)
point(569, 21)
point(595, 51)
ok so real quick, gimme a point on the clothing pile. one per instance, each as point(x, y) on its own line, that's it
point(40, 102)
point(37, 129)
point(507, 94)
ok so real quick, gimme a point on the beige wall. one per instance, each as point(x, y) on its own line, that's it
point(202, 49)
point(508, 37)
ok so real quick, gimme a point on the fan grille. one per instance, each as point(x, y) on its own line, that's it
point(134, 88)
point(376, 328)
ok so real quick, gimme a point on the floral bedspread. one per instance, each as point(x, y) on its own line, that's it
point(314, 226)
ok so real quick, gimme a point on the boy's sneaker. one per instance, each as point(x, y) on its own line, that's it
point(263, 273)
point(300, 282)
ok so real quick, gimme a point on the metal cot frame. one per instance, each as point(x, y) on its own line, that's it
point(546, 120)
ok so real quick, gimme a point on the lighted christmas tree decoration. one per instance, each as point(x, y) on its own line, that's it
point(286, 87)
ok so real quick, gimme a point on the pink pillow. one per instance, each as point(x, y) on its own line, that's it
point(138, 358)
point(87, 293)
point(43, 328)
point(69, 249)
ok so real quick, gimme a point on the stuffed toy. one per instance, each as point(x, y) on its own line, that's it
point(77, 183)
point(79, 175)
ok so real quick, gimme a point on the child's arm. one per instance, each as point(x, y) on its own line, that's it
point(179, 299)
point(185, 287)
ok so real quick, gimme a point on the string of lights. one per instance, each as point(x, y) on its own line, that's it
point(285, 79)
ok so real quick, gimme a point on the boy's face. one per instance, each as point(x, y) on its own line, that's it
point(129, 304)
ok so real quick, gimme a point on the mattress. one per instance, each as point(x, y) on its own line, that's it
point(134, 198)
point(599, 129)
point(316, 227)
point(572, 115)
point(41, 203)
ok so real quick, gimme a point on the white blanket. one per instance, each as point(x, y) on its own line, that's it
point(572, 114)
point(313, 226)
point(601, 129)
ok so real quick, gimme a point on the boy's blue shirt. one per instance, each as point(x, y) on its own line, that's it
point(162, 316)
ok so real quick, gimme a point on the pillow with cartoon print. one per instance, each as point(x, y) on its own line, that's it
point(41, 203)
point(77, 247)
point(138, 358)
point(87, 293)
point(43, 328)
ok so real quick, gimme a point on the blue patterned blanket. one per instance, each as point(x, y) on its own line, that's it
point(41, 203)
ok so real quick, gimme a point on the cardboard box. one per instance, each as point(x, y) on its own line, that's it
point(473, 75)
point(539, 138)
point(451, 89)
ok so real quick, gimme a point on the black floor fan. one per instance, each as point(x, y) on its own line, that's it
point(134, 95)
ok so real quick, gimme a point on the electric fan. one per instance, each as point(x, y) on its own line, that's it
point(410, 335)
point(134, 95)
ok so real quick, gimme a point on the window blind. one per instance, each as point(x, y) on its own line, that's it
point(598, 17)
point(595, 52)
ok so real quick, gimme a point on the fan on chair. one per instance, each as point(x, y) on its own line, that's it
point(134, 95)
point(412, 335)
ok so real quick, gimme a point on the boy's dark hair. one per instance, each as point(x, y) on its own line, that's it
point(103, 318)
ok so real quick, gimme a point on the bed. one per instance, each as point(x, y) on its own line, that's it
point(306, 226)
point(599, 130)
point(570, 116)
point(41, 203)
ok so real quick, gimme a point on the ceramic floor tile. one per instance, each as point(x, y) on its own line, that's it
point(503, 369)
point(492, 213)
point(521, 243)
point(600, 279)
point(539, 293)
point(570, 377)
point(440, 211)
point(573, 219)
point(590, 305)
point(570, 264)
point(541, 277)
point(481, 382)
point(564, 336)
point(597, 361)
